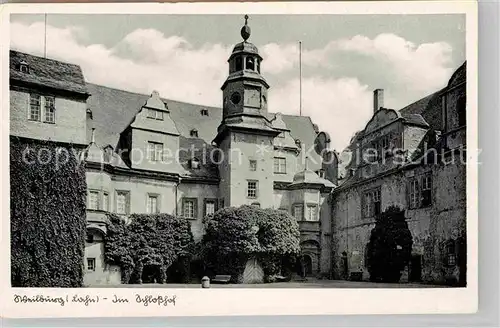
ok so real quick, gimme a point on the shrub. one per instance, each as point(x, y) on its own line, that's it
point(233, 235)
point(152, 241)
point(389, 249)
point(47, 214)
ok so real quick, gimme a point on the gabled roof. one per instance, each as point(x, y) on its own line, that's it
point(47, 72)
point(113, 110)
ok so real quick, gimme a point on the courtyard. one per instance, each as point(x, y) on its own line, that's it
point(312, 283)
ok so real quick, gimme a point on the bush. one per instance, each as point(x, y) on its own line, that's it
point(233, 235)
point(152, 243)
point(389, 249)
point(47, 214)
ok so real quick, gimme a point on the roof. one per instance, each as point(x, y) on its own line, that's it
point(429, 108)
point(47, 73)
point(113, 110)
point(459, 76)
point(308, 177)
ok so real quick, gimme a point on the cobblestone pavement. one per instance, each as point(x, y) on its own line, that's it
point(292, 284)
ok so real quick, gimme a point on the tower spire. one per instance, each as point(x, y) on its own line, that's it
point(245, 30)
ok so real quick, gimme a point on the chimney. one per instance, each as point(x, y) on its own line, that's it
point(378, 99)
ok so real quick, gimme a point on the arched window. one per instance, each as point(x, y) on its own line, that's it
point(193, 133)
point(238, 63)
point(462, 114)
point(250, 64)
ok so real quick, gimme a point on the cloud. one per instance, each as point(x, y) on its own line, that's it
point(423, 67)
point(340, 106)
point(336, 84)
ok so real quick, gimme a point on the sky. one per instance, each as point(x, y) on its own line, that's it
point(184, 57)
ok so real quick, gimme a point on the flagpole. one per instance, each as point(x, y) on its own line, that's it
point(300, 78)
point(45, 39)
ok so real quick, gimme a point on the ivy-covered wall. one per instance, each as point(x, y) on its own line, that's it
point(150, 248)
point(47, 202)
point(234, 235)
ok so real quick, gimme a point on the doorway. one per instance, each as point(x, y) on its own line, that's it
point(415, 268)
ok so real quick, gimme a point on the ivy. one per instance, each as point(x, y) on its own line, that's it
point(157, 240)
point(47, 209)
point(389, 249)
point(233, 235)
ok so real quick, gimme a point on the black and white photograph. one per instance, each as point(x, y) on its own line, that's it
point(240, 150)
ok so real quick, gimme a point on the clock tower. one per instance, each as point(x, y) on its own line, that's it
point(245, 135)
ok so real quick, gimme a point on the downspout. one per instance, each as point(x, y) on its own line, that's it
point(176, 199)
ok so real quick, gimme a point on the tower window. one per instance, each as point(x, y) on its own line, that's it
point(238, 64)
point(257, 64)
point(250, 64)
point(193, 133)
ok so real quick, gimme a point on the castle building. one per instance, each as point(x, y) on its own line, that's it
point(146, 154)
point(417, 163)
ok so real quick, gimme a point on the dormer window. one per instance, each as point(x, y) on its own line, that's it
point(24, 67)
point(298, 143)
point(321, 173)
point(193, 133)
point(204, 112)
point(194, 163)
point(155, 114)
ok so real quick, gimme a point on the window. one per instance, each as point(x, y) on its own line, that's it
point(238, 64)
point(451, 257)
point(426, 190)
point(105, 201)
point(155, 150)
point(24, 67)
point(49, 110)
point(93, 200)
point(312, 212)
point(250, 63)
point(91, 264)
point(210, 206)
point(298, 212)
point(321, 173)
point(204, 112)
point(257, 64)
point(189, 209)
point(122, 202)
point(252, 189)
point(279, 165)
point(194, 163)
point(42, 106)
point(35, 107)
point(372, 203)
point(193, 133)
point(414, 194)
point(152, 205)
point(155, 114)
point(253, 165)
point(462, 114)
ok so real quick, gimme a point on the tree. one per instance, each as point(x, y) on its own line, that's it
point(389, 249)
point(47, 214)
point(152, 241)
point(234, 235)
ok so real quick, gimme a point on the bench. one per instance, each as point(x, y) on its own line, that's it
point(221, 279)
